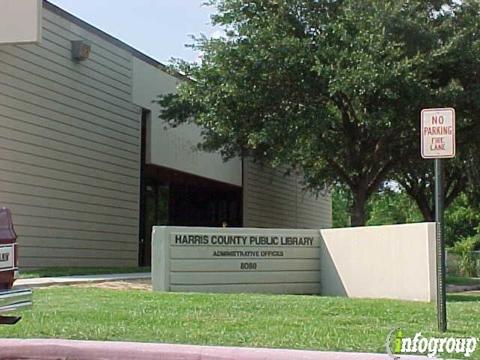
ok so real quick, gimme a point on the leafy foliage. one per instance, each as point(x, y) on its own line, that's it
point(395, 206)
point(468, 259)
point(392, 207)
point(341, 203)
point(332, 88)
point(386, 207)
point(418, 180)
point(457, 72)
point(461, 220)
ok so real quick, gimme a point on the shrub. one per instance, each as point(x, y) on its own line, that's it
point(468, 258)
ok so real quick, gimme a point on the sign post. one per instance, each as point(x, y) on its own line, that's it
point(438, 142)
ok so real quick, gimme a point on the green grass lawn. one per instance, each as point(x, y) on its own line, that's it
point(299, 322)
point(70, 271)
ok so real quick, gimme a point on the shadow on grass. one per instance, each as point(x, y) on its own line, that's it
point(465, 297)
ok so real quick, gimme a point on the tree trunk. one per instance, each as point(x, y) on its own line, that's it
point(420, 196)
point(358, 211)
point(428, 214)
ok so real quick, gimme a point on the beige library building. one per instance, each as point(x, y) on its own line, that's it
point(87, 167)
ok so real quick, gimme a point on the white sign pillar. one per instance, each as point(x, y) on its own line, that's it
point(20, 21)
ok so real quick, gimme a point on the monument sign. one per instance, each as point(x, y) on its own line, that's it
point(392, 262)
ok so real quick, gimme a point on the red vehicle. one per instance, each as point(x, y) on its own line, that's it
point(10, 299)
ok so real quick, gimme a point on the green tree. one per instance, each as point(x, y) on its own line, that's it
point(462, 220)
point(392, 207)
point(457, 72)
point(386, 207)
point(417, 178)
point(333, 88)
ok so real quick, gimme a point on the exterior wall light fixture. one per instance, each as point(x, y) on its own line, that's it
point(81, 50)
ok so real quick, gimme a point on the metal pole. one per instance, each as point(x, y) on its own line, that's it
point(441, 293)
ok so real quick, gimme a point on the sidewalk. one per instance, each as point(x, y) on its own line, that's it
point(78, 279)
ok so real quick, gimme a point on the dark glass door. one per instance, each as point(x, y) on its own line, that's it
point(174, 198)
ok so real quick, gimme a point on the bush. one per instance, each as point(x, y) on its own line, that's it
point(465, 249)
point(461, 220)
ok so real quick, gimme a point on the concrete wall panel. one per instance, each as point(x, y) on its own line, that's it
point(20, 21)
point(395, 261)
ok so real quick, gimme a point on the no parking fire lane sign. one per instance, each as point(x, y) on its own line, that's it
point(438, 133)
point(438, 142)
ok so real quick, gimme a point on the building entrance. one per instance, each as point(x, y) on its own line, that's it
point(179, 199)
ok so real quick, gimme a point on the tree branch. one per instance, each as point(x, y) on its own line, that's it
point(343, 174)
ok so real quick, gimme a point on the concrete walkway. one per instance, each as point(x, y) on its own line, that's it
point(78, 279)
point(96, 350)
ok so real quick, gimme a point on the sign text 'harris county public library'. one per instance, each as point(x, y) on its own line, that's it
point(438, 133)
point(259, 240)
point(247, 241)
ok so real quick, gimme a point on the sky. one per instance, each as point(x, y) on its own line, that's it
point(158, 28)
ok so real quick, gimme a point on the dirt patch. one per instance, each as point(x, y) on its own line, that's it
point(461, 288)
point(142, 284)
